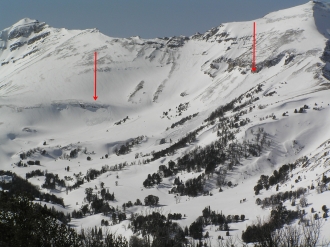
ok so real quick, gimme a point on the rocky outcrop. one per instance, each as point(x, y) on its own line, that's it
point(175, 42)
point(26, 30)
point(326, 53)
point(212, 35)
point(36, 38)
point(16, 45)
point(289, 59)
point(326, 58)
point(242, 63)
point(29, 53)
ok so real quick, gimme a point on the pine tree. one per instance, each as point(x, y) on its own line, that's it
point(100, 233)
point(186, 231)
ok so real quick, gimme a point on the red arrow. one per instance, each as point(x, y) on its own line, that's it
point(254, 49)
point(95, 59)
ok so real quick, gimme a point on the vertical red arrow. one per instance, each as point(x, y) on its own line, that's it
point(95, 59)
point(254, 49)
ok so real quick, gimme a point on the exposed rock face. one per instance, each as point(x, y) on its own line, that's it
point(36, 38)
point(16, 45)
point(326, 58)
point(26, 30)
point(326, 53)
point(240, 62)
point(289, 59)
point(176, 41)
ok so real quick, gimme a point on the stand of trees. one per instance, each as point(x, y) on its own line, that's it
point(183, 120)
point(124, 149)
point(281, 197)
point(189, 138)
point(192, 187)
point(152, 180)
point(34, 173)
point(210, 217)
point(151, 200)
point(99, 205)
point(51, 180)
point(272, 232)
point(261, 232)
point(74, 153)
point(174, 216)
point(279, 176)
point(219, 112)
point(218, 152)
point(164, 232)
point(24, 155)
point(20, 185)
point(23, 223)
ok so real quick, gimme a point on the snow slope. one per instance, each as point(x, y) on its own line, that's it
point(46, 89)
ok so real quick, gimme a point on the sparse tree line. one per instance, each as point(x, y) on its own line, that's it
point(281, 197)
point(183, 120)
point(220, 111)
point(325, 212)
point(302, 109)
point(130, 204)
point(224, 150)
point(53, 180)
point(209, 157)
point(25, 155)
point(73, 153)
point(34, 173)
point(181, 143)
point(121, 121)
point(97, 202)
point(126, 148)
point(149, 200)
point(174, 216)
point(101, 205)
point(29, 162)
point(234, 122)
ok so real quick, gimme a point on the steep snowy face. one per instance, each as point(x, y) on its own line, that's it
point(282, 34)
point(218, 60)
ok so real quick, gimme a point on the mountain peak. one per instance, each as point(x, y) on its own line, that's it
point(25, 21)
point(22, 28)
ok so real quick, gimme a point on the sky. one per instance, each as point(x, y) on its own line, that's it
point(145, 18)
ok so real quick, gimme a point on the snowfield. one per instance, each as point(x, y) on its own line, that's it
point(46, 103)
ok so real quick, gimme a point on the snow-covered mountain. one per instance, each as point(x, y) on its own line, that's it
point(46, 95)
